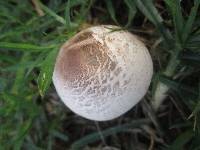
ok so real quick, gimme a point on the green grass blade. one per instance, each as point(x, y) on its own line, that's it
point(111, 10)
point(113, 130)
point(19, 79)
point(190, 58)
point(156, 80)
point(3, 84)
point(85, 8)
point(188, 26)
point(177, 86)
point(67, 14)
point(24, 47)
point(181, 140)
point(7, 58)
point(131, 12)
point(45, 76)
point(76, 2)
point(60, 135)
point(199, 89)
point(22, 65)
point(36, 63)
point(175, 8)
point(22, 132)
point(196, 108)
point(148, 9)
point(53, 14)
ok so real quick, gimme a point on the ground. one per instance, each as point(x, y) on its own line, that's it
point(33, 117)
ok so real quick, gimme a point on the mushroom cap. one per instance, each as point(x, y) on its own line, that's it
point(100, 74)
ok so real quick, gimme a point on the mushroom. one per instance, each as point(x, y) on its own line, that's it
point(102, 72)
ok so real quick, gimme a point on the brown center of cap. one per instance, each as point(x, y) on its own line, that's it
point(81, 58)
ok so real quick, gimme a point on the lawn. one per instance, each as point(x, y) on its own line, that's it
point(33, 117)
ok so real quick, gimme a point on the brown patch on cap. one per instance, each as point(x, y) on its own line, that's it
point(80, 58)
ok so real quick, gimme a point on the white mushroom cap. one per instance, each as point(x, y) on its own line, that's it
point(100, 74)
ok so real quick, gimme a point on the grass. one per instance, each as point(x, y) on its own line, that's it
point(33, 117)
